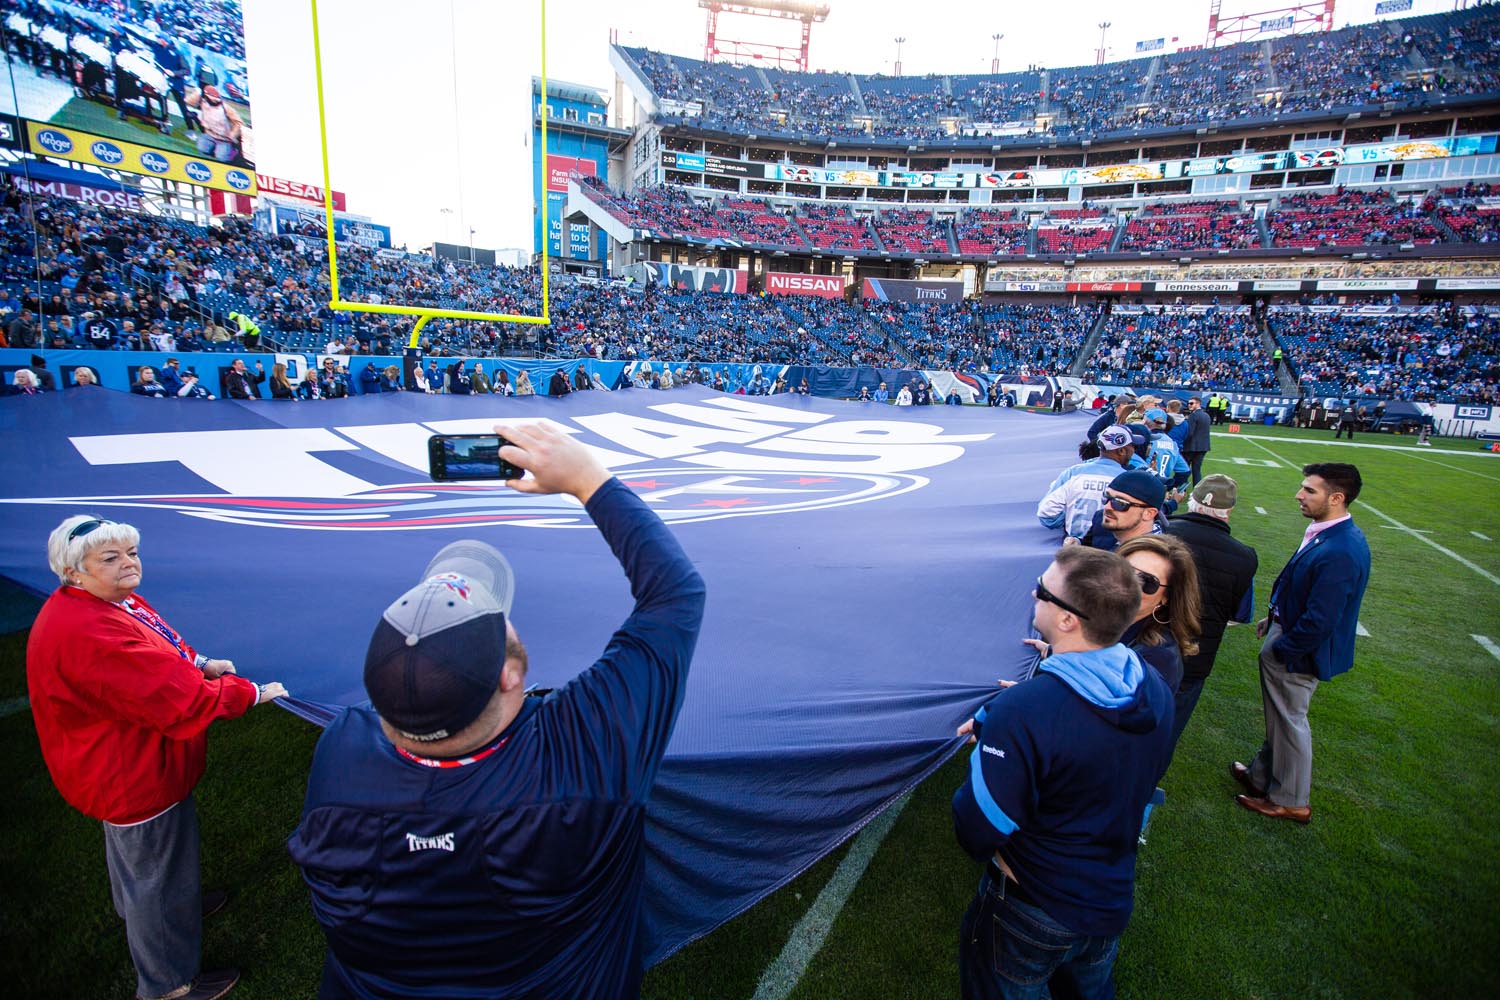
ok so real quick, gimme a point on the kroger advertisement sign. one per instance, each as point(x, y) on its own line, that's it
point(102, 151)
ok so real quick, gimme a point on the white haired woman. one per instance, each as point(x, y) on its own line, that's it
point(122, 705)
point(24, 383)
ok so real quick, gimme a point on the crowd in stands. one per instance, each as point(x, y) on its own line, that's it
point(912, 232)
point(990, 233)
point(1469, 211)
point(78, 275)
point(833, 227)
point(1213, 350)
point(1348, 218)
point(1199, 225)
point(1439, 356)
point(1413, 61)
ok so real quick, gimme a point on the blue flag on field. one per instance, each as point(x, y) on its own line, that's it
point(869, 572)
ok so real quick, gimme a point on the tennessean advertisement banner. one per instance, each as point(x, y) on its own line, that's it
point(909, 290)
point(1197, 286)
point(825, 286)
point(86, 193)
point(97, 151)
point(280, 187)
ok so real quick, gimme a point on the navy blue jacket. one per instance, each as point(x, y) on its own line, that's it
point(519, 874)
point(1316, 598)
point(1060, 778)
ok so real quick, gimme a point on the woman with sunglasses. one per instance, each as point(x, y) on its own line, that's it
point(122, 705)
point(1166, 627)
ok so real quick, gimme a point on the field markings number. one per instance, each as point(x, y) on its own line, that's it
point(1359, 629)
point(1415, 531)
point(1397, 524)
point(1488, 644)
point(783, 974)
point(1481, 536)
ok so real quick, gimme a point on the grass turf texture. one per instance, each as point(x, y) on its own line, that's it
point(1390, 892)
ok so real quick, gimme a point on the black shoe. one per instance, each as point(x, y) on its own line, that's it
point(213, 901)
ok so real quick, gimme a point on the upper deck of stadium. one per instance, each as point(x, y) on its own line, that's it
point(1438, 61)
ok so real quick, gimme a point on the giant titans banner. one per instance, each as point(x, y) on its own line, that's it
point(869, 573)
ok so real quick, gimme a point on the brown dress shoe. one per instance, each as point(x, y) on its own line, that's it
point(1264, 806)
point(1239, 772)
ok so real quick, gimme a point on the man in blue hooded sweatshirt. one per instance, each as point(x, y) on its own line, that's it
point(1057, 787)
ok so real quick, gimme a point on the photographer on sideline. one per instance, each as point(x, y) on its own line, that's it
point(508, 832)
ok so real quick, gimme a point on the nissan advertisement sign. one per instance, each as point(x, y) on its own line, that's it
point(824, 286)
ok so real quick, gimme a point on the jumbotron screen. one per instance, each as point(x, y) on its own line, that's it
point(111, 82)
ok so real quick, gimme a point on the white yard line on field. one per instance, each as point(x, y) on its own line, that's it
point(783, 974)
point(1481, 536)
point(1260, 510)
point(1397, 524)
point(1488, 644)
point(1421, 452)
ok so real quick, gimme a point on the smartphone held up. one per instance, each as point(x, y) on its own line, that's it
point(459, 457)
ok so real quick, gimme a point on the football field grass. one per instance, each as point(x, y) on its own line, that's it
point(1390, 892)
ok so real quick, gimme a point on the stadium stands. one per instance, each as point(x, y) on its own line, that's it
point(1409, 62)
point(1212, 349)
point(1198, 225)
point(1432, 356)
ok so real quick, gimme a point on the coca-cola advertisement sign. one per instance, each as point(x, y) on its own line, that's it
point(280, 187)
point(826, 286)
point(909, 290)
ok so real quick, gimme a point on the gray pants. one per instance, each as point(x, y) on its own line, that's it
point(1283, 767)
point(153, 876)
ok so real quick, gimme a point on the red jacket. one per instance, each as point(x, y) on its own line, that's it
point(122, 717)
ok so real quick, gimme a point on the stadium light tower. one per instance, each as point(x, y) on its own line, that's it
point(995, 62)
point(1103, 27)
point(899, 42)
point(737, 50)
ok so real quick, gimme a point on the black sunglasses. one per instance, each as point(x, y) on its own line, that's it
point(1043, 594)
point(1150, 583)
point(84, 527)
point(1120, 503)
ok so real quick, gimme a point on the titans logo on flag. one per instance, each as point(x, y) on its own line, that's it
point(868, 569)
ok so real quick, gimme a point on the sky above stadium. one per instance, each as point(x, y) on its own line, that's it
point(429, 128)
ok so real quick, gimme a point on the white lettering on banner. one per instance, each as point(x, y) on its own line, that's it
point(765, 468)
point(828, 285)
point(940, 294)
point(273, 462)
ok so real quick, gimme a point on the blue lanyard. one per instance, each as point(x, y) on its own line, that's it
point(154, 621)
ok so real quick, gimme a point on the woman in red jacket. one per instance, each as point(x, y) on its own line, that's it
point(122, 707)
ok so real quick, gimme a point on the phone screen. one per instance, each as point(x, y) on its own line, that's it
point(469, 456)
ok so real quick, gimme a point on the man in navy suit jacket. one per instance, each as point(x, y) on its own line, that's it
point(1309, 637)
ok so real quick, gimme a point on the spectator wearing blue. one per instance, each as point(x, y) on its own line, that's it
point(1065, 764)
point(1074, 498)
point(146, 384)
point(882, 394)
point(1163, 458)
point(171, 377)
point(1116, 412)
point(455, 783)
point(1131, 508)
point(369, 379)
point(459, 382)
point(1176, 422)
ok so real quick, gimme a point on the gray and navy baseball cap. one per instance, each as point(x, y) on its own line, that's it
point(435, 659)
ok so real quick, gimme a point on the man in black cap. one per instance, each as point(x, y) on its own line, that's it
point(507, 831)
